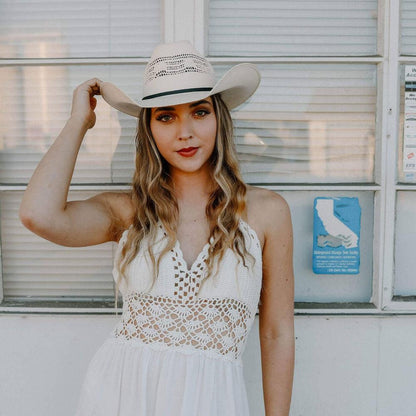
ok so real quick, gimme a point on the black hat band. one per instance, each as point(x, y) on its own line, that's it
point(162, 94)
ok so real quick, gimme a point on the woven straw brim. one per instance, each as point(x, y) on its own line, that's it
point(236, 86)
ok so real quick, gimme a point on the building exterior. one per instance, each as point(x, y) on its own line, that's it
point(334, 117)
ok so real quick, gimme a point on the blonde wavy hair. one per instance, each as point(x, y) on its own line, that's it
point(154, 198)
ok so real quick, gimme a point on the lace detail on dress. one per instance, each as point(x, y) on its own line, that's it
point(214, 325)
point(186, 281)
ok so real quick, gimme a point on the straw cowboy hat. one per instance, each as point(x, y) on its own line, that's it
point(178, 74)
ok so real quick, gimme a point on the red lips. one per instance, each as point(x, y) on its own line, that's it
point(188, 151)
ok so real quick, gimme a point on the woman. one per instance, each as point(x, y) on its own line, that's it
point(198, 249)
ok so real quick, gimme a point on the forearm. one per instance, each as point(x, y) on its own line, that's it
point(47, 191)
point(277, 357)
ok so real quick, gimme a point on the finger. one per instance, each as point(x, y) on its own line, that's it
point(92, 86)
point(95, 84)
point(95, 90)
point(93, 81)
point(93, 103)
point(99, 82)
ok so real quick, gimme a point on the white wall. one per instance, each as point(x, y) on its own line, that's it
point(345, 365)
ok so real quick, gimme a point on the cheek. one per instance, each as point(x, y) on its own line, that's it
point(154, 130)
point(210, 131)
point(159, 135)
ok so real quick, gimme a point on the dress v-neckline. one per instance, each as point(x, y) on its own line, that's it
point(198, 259)
point(202, 253)
point(182, 262)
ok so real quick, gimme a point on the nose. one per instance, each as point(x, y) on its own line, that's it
point(185, 130)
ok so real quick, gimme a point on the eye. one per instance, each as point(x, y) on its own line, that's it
point(202, 112)
point(164, 117)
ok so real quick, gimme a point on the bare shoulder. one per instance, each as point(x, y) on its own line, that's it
point(267, 211)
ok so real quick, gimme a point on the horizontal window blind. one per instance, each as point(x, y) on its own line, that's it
point(309, 123)
point(292, 27)
point(94, 28)
point(34, 267)
point(408, 27)
point(36, 102)
point(306, 123)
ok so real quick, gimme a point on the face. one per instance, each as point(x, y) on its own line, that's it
point(185, 134)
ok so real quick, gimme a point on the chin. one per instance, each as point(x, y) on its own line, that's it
point(190, 167)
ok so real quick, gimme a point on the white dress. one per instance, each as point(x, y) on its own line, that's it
point(177, 349)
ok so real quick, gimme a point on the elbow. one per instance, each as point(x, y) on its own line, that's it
point(280, 337)
point(34, 221)
point(43, 225)
point(283, 332)
point(25, 216)
point(28, 219)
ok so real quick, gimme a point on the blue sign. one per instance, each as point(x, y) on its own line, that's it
point(336, 236)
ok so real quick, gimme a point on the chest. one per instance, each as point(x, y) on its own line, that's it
point(192, 236)
point(177, 281)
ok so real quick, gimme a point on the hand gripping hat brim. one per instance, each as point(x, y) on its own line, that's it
point(178, 74)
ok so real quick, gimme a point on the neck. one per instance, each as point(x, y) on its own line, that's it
point(193, 185)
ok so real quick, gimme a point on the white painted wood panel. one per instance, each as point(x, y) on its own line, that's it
point(397, 368)
point(345, 366)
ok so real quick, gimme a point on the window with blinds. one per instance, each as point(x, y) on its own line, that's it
point(407, 27)
point(309, 123)
point(34, 113)
point(78, 29)
point(35, 267)
point(404, 287)
point(312, 122)
point(35, 100)
point(292, 27)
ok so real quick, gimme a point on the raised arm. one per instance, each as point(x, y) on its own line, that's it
point(44, 208)
point(276, 310)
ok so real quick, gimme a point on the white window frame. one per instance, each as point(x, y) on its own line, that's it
point(391, 303)
point(188, 19)
point(375, 305)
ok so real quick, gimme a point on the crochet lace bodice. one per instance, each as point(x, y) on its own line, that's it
point(187, 310)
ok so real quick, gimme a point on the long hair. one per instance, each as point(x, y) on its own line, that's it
point(154, 198)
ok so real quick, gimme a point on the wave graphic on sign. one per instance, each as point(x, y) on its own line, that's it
point(338, 233)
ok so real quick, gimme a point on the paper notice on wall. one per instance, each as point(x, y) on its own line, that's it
point(409, 133)
point(336, 236)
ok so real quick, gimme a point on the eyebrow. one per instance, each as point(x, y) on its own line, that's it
point(164, 109)
point(196, 104)
point(199, 103)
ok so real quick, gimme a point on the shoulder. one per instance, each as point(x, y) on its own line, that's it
point(120, 207)
point(266, 205)
point(268, 212)
point(258, 196)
